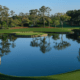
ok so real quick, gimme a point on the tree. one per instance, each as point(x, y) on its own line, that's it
point(15, 22)
point(75, 17)
point(0, 14)
point(62, 17)
point(33, 14)
point(43, 10)
point(25, 21)
point(12, 13)
point(56, 22)
point(4, 24)
point(26, 15)
point(1, 9)
point(22, 15)
point(5, 9)
point(48, 11)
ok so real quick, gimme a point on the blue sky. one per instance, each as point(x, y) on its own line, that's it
point(26, 5)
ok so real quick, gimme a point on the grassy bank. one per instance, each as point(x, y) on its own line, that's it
point(74, 75)
point(37, 30)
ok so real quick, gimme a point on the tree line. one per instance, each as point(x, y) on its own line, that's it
point(36, 17)
point(75, 17)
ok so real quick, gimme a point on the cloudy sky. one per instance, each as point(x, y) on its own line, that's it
point(26, 5)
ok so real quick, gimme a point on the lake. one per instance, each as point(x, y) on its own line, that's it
point(39, 56)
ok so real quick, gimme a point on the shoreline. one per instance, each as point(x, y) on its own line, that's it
point(62, 76)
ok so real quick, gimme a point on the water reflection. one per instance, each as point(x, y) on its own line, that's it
point(55, 36)
point(45, 45)
point(42, 43)
point(73, 37)
point(79, 56)
point(5, 44)
point(39, 64)
point(62, 44)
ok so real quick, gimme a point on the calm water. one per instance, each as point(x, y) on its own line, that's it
point(39, 56)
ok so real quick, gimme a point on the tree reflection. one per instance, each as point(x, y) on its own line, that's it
point(62, 44)
point(55, 36)
point(79, 56)
point(5, 44)
point(13, 38)
point(0, 57)
point(73, 37)
point(34, 43)
point(44, 46)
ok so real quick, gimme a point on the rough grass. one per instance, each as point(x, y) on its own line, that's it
point(73, 75)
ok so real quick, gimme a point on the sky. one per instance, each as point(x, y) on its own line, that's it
point(56, 6)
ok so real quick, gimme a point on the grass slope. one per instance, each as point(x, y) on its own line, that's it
point(73, 75)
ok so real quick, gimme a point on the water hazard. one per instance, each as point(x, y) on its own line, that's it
point(39, 56)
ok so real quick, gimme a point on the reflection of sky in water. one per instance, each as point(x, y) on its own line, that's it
point(25, 60)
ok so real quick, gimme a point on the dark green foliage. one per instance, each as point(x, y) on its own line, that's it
point(75, 17)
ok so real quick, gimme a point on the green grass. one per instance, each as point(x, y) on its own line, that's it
point(38, 30)
point(73, 75)
point(29, 33)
